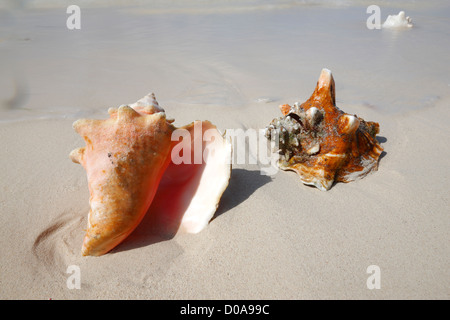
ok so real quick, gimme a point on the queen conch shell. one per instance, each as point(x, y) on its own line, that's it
point(321, 143)
point(130, 164)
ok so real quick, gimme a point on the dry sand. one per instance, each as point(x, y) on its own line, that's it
point(272, 237)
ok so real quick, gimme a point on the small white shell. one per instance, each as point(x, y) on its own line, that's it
point(398, 21)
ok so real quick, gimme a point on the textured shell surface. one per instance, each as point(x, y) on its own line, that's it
point(130, 172)
point(323, 144)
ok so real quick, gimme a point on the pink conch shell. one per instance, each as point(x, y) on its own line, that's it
point(128, 160)
point(321, 143)
point(190, 190)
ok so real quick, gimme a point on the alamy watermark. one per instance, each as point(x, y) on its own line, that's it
point(74, 280)
point(248, 147)
point(73, 22)
point(374, 20)
point(374, 280)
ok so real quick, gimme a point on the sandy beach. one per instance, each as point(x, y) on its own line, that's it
point(272, 237)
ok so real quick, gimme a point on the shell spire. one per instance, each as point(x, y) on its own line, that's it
point(147, 104)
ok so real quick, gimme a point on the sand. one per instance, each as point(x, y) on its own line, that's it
point(272, 237)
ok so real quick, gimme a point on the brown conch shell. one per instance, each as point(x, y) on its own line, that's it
point(323, 144)
point(129, 157)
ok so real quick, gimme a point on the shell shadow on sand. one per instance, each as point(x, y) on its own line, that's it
point(381, 140)
point(243, 184)
point(153, 229)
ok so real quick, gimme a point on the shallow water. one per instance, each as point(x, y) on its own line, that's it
point(226, 54)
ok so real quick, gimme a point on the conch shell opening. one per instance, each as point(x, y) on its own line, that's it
point(321, 143)
point(129, 162)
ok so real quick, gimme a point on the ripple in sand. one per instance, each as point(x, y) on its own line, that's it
point(58, 245)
